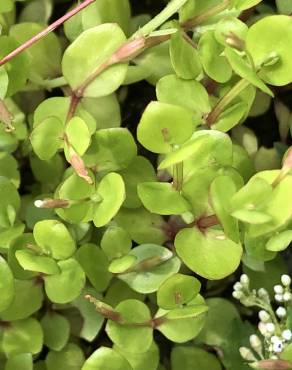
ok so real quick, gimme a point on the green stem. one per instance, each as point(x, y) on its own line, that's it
point(200, 18)
point(178, 176)
point(225, 100)
point(160, 18)
point(56, 82)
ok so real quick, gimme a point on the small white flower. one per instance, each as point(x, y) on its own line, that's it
point(281, 312)
point(286, 280)
point(264, 316)
point(247, 354)
point(287, 296)
point(237, 286)
point(278, 346)
point(278, 289)
point(237, 294)
point(279, 297)
point(275, 339)
point(255, 343)
point(287, 334)
point(270, 327)
point(244, 279)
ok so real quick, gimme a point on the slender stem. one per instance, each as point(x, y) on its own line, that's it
point(200, 18)
point(178, 176)
point(56, 82)
point(205, 222)
point(73, 106)
point(45, 32)
point(225, 100)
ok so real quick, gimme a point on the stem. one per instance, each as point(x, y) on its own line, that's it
point(73, 106)
point(45, 32)
point(178, 176)
point(200, 18)
point(160, 18)
point(6, 117)
point(225, 100)
point(205, 222)
point(56, 82)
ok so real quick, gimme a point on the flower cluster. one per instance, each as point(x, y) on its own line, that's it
point(272, 323)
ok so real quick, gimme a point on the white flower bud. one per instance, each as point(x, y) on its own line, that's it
point(287, 334)
point(263, 293)
point(275, 339)
point(38, 203)
point(286, 280)
point(247, 354)
point(255, 343)
point(237, 286)
point(278, 346)
point(264, 316)
point(244, 279)
point(279, 297)
point(287, 297)
point(262, 328)
point(278, 289)
point(270, 327)
point(237, 294)
point(281, 312)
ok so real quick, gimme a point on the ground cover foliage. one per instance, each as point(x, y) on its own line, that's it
point(145, 185)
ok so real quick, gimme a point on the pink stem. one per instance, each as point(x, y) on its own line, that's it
point(45, 32)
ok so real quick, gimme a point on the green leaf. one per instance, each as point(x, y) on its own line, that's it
point(70, 358)
point(115, 242)
point(210, 254)
point(149, 279)
point(230, 27)
point(230, 117)
point(129, 335)
point(177, 290)
point(111, 189)
point(222, 188)
point(142, 361)
point(9, 168)
point(192, 358)
point(66, 286)
point(162, 198)
point(9, 202)
point(6, 285)
point(45, 55)
point(78, 135)
point(6, 6)
point(214, 63)
point(278, 27)
point(189, 94)
point(163, 125)
point(92, 320)
point(284, 6)
point(121, 264)
point(16, 68)
point(82, 62)
point(280, 241)
point(31, 261)
point(56, 330)
point(54, 239)
point(95, 265)
point(219, 321)
point(106, 358)
point(245, 4)
point(139, 170)
point(184, 57)
point(23, 336)
point(143, 226)
point(4, 81)
point(28, 299)
point(179, 329)
point(245, 70)
point(111, 149)
point(22, 361)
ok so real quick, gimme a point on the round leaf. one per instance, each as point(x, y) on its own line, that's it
point(210, 254)
point(192, 358)
point(31, 261)
point(70, 358)
point(54, 238)
point(130, 336)
point(115, 242)
point(106, 358)
point(177, 290)
point(66, 286)
point(87, 54)
point(78, 135)
point(163, 125)
point(56, 330)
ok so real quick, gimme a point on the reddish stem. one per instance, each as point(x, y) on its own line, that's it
point(73, 106)
point(205, 222)
point(45, 32)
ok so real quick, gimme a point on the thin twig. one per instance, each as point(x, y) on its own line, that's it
point(45, 32)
